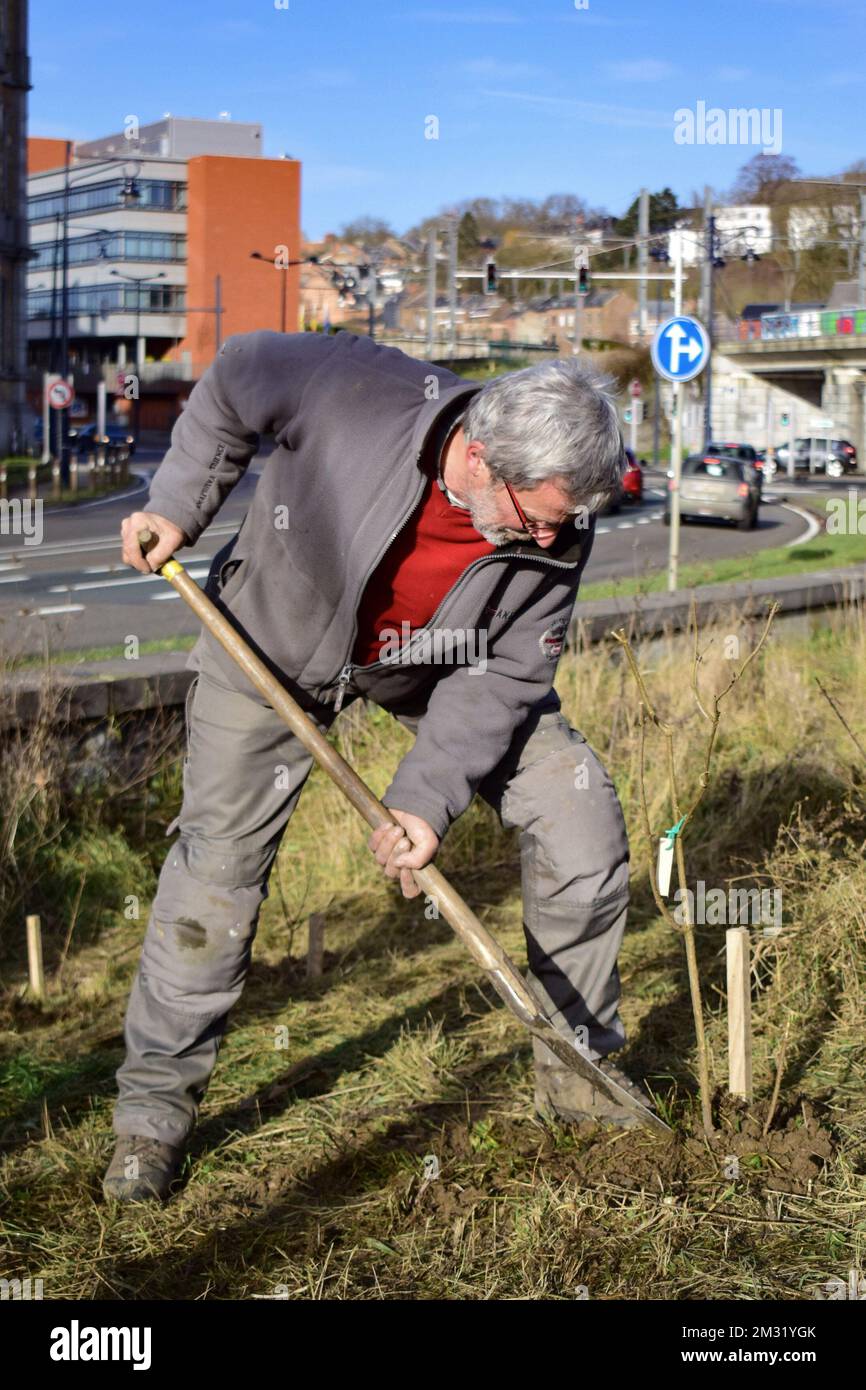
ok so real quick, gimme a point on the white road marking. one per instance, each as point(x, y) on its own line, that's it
point(160, 598)
point(14, 566)
point(116, 583)
point(61, 608)
point(812, 528)
point(102, 542)
point(13, 579)
point(624, 525)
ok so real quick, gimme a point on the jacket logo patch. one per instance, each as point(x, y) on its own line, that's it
point(552, 639)
point(493, 612)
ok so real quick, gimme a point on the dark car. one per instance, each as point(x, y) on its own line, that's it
point(835, 457)
point(118, 440)
point(83, 439)
point(715, 486)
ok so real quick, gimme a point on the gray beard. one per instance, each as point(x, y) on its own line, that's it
point(492, 531)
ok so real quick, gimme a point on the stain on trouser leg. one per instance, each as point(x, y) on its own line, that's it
point(194, 961)
point(243, 776)
point(574, 870)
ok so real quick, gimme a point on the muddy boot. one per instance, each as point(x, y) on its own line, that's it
point(563, 1095)
point(141, 1169)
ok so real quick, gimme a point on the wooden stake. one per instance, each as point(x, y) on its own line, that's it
point(739, 955)
point(34, 957)
point(316, 947)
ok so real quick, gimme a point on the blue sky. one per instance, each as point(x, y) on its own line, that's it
point(532, 96)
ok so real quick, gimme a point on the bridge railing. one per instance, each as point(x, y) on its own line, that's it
point(807, 323)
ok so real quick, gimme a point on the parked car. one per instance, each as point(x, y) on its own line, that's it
point(632, 479)
point(118, 440)
point(835, 457)
point(724, 488)
point(83, 438)
point(631, 485)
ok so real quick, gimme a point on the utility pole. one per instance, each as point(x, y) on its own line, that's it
point(676, 435)
point(709, 260)
point(218, 310)
point(432, 243)
point(861, 275)
point(452, 285)
point(62, 415)
point(581, 287)
point(642, 259)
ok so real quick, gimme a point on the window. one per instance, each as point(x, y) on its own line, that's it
point(114, 246)
point(113, 298)
point(155, 195)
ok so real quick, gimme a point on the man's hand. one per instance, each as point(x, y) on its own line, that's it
point(398, 854)
point(171, 538)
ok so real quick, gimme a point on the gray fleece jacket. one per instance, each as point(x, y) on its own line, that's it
point(351, 421)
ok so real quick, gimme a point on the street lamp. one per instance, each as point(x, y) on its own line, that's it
point(138, 281)
point(130, 196)
point(282, 265)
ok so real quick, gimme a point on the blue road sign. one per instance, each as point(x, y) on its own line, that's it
point(680, 349)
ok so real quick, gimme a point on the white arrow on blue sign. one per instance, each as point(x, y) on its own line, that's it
point(680, 349)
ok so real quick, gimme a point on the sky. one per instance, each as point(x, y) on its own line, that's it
point(530, 97)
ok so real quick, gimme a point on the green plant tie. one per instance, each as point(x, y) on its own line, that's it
point(675, 829)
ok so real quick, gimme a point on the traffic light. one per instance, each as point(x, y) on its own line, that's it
point(581, 265)
point(491, 280)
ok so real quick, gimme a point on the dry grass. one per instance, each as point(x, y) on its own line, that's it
point(307, 1171)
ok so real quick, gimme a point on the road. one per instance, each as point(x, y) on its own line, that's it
point(71, 592)
point(633, 542)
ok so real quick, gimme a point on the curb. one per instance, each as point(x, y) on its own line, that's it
point(97, 690)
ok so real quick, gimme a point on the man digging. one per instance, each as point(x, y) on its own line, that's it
point(399, 500)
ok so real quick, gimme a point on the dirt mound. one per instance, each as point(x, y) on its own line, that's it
point(789, 1158)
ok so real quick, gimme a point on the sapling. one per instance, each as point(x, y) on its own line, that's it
point(681, 819)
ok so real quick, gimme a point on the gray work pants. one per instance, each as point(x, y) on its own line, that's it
point(243, 775)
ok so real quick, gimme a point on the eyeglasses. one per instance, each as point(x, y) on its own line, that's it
point(531, 527)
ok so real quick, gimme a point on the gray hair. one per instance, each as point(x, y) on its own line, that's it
point(556, 422)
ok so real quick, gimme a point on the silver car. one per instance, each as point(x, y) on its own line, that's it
point(722, 488)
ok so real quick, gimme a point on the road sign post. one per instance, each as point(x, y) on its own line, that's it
point(680, 351)
point(635, 414)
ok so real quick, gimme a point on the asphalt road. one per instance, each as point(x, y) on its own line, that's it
point(71, 592)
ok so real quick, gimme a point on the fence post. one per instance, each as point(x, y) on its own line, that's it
point(738, 951)
point(34, 957)
point(316, 946)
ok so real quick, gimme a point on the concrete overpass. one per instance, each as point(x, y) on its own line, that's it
point(815, 377)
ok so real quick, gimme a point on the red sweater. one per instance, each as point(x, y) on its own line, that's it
point(415, 573)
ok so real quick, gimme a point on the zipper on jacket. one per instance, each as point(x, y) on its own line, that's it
point(350, 667)
point(345, 677)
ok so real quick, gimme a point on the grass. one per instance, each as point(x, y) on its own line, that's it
point(826, 551)
point(307, 1171)
point(84, 655)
